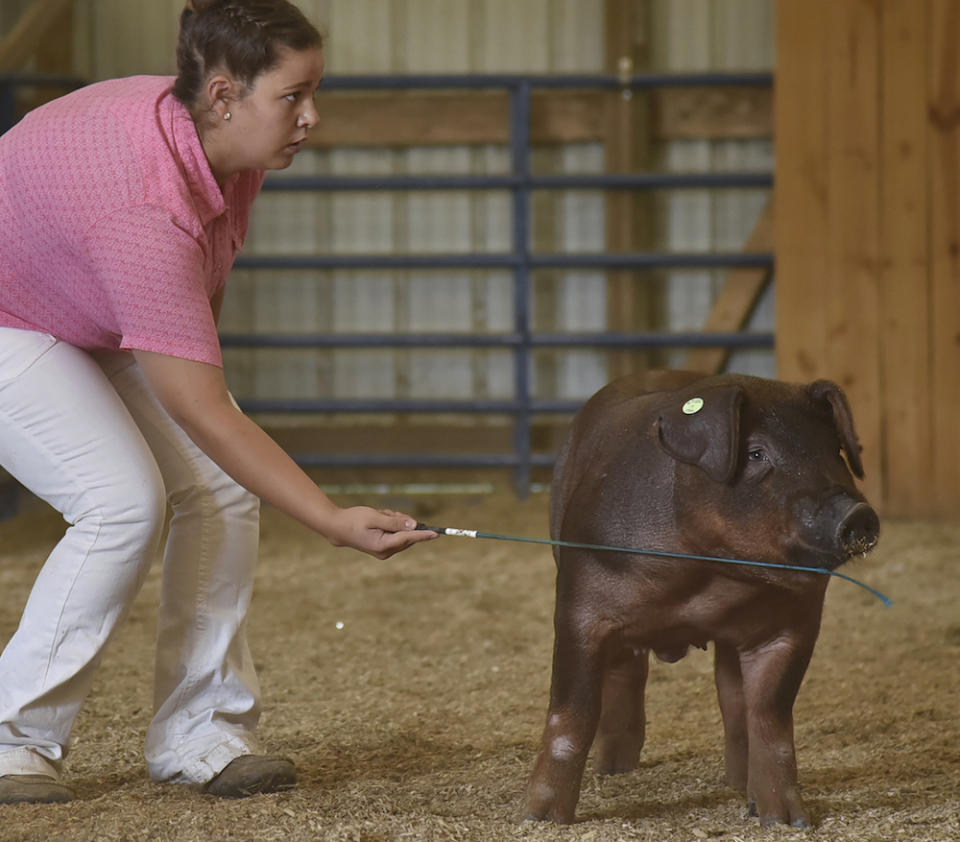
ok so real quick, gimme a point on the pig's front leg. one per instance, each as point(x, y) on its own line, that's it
point(733, 710)
point(554, 787)
point(771, 679)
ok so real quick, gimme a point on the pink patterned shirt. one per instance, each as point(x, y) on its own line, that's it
point(113, 232)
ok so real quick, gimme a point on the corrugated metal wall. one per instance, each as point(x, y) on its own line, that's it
point(121, 37)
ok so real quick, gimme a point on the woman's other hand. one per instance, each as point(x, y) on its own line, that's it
point(378, 532)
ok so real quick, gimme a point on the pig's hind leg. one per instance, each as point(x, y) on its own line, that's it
point(622, 727)
point(575, 693)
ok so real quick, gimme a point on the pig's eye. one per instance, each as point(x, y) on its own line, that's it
point(757, 454)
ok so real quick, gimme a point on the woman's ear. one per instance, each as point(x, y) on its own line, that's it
point(220, 92)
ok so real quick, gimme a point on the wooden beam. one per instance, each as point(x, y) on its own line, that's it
point(734, 113)
point(451, 118)
point(574, 116)
point(741, 290)
point(21, 42)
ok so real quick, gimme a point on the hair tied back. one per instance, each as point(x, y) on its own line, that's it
point(241, 38)
point(197, 6)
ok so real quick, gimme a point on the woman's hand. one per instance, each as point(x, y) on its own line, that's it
point(380, 533)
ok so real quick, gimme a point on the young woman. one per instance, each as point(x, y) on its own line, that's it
point(122, 206)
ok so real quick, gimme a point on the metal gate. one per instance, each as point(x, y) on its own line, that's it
point(520, 260)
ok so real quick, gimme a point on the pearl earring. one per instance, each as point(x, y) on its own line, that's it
point(226, 116)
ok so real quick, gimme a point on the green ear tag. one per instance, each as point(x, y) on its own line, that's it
point(693, 406)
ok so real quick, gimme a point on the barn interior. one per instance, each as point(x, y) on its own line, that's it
point(505, 206)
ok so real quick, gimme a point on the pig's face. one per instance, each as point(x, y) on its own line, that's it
point(764, 473)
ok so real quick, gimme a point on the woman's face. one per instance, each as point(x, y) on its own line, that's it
point(268, 124)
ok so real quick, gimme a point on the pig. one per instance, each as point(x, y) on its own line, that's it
point(727, 466)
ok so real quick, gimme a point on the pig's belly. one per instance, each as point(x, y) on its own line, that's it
point(670, 646)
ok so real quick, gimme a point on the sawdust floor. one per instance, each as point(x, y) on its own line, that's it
point(420, 717)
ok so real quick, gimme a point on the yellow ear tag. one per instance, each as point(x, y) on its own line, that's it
point(693, 406)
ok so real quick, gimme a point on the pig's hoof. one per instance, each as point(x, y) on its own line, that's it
point(800, 822)
point(793, 815)
point(615, 768)
point(789, 811)
point(546, 810)
point(615, 764)
point(530, 816)
point(542, 805)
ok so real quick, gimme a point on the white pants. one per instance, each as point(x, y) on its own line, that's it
point(87, 435)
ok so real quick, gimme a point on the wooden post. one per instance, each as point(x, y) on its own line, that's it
point(627, 149)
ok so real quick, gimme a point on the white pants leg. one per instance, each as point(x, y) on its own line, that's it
point(106, 455)
point(206, 695)
point(65, 434)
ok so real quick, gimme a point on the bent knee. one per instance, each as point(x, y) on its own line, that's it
point(145, 508)
point(133, 510)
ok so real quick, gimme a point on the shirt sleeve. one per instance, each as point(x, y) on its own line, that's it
point(148, 285)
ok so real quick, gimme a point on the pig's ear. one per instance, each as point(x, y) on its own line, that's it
point(703, 428)
point(828, 393)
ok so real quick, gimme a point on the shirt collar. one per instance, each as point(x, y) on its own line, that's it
point(210, 201)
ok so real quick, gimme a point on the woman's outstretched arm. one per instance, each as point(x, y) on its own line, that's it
point(195, 395)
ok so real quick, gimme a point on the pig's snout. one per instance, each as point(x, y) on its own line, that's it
point(858, 531)
point(835, 529)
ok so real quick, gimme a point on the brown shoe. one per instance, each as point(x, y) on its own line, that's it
point(33, 789)
point(253, 774)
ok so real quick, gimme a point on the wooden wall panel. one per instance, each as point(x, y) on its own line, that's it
point(904, 279)
point(851, 304)
point(868, 231)
point(944, 184)
point(801, 201)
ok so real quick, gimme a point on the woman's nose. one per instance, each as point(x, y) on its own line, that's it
point(308, 117)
